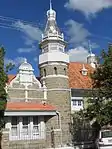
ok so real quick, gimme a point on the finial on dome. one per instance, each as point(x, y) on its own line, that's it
point(50, 5)
point(25, 60)
point(90, 47)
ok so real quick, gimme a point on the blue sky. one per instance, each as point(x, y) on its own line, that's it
point(23, 21)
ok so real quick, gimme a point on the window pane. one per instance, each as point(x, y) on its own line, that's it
point(35, 125)
point(35, 120)
point(25, 120)
point(14, 120)
point(79, 102)
point(25, 125)
point(74, 102)
point(14, 130)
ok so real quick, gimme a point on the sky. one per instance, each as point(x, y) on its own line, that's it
point(23, 21)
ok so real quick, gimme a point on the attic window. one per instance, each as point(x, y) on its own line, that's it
point(84, 71)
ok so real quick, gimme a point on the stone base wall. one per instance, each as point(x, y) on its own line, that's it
point(53, 139)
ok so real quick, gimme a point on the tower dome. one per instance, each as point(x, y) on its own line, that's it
point(91, 58)
point(51, 14)
point(25, 66)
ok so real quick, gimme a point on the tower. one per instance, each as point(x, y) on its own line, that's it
point(91, 58)
point(53, 64)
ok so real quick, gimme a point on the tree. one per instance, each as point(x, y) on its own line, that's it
point(99, 110)
point(98, 113)
point(3, 94)
point(3, 80)
point(82, 132)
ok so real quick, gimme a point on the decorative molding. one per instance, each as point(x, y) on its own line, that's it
point(54, 76)
point(29, 113)
point(28, 89)
point(58, 89)
point(53, 57)
point(53, 63)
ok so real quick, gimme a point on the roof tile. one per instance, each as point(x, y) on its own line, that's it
point(30, 106)
point(76, 79)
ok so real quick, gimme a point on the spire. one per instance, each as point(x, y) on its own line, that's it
point(51, 14)
point(50, 5)
point(51, 25)
point(25, 60)
point(90, 47)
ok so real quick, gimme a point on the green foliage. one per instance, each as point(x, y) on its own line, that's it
point(3, 80)
point(81, 130)
point(99, 109)
point(98, 112)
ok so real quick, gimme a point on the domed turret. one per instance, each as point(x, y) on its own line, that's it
point(51, 29)
point(25, 66)
point(91, 58)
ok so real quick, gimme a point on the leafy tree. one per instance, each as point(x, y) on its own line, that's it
point(99, 110)
point(81, 130)
point(3, 94)
point(3, 80)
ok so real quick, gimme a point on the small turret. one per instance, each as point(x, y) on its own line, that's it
point(91, 58)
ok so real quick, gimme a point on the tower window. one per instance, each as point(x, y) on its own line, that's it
point(44, 72)
point(65, 71)
point(55, 70)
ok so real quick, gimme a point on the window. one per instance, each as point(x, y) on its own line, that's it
point(35, 125)
point(14, 123)
point(64, 71)
point(55, 70)
point(25, 127)
point(44, 72)
point(74, 102)
point(79, 102)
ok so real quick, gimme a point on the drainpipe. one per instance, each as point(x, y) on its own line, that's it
point(59, 122)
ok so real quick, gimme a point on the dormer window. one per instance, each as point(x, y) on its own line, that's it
point(84, 71)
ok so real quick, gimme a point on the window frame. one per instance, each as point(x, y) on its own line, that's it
point(30, 128)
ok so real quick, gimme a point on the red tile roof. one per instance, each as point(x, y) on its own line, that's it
point(28, 106)
point(10, 78)
point(76, 79)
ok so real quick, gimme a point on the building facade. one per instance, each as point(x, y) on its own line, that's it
point(38, 112)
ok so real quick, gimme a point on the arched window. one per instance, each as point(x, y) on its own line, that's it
point(65, 71)
point(44, 72)
point(55, 70)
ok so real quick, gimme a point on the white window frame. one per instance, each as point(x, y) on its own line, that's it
point(39, 135)
point(79, 102)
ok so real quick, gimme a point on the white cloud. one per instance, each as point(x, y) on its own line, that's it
point(26, 50)
point(76, 32)
point(78, 54)
point(89, 7)
point(31, 36)
point(31, 32)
